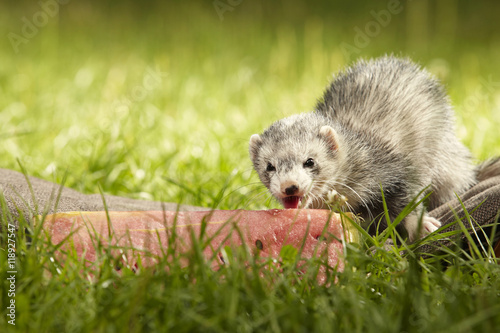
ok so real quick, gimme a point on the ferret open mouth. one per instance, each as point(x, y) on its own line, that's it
point(291, 202)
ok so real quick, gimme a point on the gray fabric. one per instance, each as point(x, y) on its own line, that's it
point(41, 198)
point(482, 201)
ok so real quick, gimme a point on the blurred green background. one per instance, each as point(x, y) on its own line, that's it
point(157, 99)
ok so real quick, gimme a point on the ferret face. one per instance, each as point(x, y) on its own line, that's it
point(296, 160)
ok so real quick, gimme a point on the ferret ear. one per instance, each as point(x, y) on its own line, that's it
point(255, 143)
point(329, 134)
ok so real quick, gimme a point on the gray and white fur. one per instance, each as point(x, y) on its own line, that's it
point(383, 122)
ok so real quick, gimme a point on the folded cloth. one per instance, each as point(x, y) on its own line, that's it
point(30, 196)
point(482, 203)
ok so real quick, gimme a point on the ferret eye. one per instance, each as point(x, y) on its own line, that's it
point(309, 163)
point(270, 167)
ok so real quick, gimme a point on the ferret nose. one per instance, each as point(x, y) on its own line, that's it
point(291, 190)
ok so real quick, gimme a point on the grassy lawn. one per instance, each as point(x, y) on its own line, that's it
point(158, 100)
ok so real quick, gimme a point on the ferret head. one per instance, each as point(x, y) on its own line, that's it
point(297, 158)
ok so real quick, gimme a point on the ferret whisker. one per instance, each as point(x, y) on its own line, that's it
point(350, 208)
point(349, 179)
point(256, 187)
point(363, 201)
point(262, 193)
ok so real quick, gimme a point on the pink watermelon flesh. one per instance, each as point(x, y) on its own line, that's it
point(317, 232)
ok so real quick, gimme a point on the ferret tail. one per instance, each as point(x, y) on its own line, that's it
point(487, 169)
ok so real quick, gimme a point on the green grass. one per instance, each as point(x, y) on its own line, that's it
point(379, 291)
point(79, 99)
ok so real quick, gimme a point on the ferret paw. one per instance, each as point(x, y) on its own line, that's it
point(429, 225)
point(335, 200)
point(417, 231)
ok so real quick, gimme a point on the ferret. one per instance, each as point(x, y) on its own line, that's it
point(382, 125)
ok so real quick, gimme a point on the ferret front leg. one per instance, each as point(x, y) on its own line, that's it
point(335, 200)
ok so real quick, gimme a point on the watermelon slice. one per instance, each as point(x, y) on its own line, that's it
point(314, 232)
